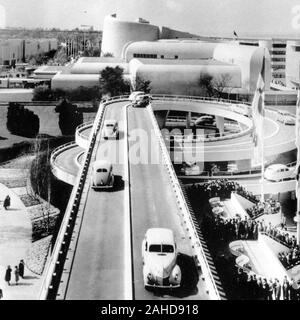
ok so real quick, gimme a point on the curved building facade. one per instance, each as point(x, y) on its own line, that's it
point(117, 33)
point(174, 49)
point(249, 59)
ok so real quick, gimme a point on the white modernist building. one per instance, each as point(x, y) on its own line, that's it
point(172, 60)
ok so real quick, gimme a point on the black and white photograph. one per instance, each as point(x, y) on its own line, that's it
point(149, 150)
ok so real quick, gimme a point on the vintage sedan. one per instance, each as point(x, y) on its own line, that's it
point(141, 101)
point(159, 252)
point(279, 172)
point(102, 176)
point(111, 130)
point(286, 117)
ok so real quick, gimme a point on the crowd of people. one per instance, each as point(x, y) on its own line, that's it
point(231, 229)
point(254, 287)
point(269, 206)
point(291, 258)
point(224, 187)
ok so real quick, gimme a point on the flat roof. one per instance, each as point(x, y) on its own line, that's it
point(166, 61)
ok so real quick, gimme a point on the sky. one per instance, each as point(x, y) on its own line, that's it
point(202, 17)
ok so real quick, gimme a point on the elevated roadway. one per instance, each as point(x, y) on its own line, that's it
point(105, 258)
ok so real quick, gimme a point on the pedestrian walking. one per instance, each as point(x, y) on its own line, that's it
point(6, 202)
point(8, 275)
point(16, 275)
point(21, 268)
point(1, 294)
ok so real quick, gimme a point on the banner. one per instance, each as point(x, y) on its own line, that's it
point(258, 113)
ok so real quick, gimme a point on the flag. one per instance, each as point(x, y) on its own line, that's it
point(234, 33)
point(258, 113)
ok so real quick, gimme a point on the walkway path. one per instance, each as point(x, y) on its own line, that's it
point(15, 240)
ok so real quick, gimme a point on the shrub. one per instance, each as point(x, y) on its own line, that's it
point(69, 117)
point(21, 121)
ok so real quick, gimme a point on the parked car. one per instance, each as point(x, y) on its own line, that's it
point(111, 130)
point(278, 172)
point(159, 252)
point(141, 101)
point(285, 117)
point(102, 175)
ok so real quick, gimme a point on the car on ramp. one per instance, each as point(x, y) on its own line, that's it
point(111, 130)
point(279, 172)
point(141, 101)
point(102, 175)
point(159, 253)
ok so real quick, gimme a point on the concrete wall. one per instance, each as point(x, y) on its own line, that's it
point(74, 81)
point(292, 63)
point(170, 49)
point(183, 79)
point(249, 58)
point(117, 33)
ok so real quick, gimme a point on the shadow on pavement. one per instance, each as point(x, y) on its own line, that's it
point(189, 279)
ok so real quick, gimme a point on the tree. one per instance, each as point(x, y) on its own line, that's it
point(42, 93)
point(21, 121)
point(112, 82)
point(141, 84)
point(108, 55)
point(213, 87)
point(69, 117)
point(221, 83)
point(206, 85)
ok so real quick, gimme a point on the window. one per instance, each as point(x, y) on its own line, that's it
point(102, 170)
point(155, 248)
point(145, 55)
point(277, 52)
point(167, 248)
point(279, 45)
point(278, 59)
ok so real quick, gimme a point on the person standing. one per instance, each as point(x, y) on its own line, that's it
point(6, 203)
point(277, 290)
point(1, 294)
point(21, 268)
point(8, 275)
point(16, 275)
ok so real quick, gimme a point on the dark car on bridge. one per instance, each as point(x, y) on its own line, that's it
point(141, 101)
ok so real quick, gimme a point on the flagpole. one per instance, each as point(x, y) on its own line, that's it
point(297, 142)
point(262, 188)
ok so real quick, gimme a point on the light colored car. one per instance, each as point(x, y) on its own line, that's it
point(159, 252)
point(111, 130)
point(242, 109)
point(135, 94)
point(141, 101)
point(205, 120)
point(285, 117)
point(278, 172)
point(102, 175)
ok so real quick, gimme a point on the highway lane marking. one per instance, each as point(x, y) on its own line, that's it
point(128, 267)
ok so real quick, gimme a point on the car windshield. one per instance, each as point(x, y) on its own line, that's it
point(101, 170)
point(166, 248)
